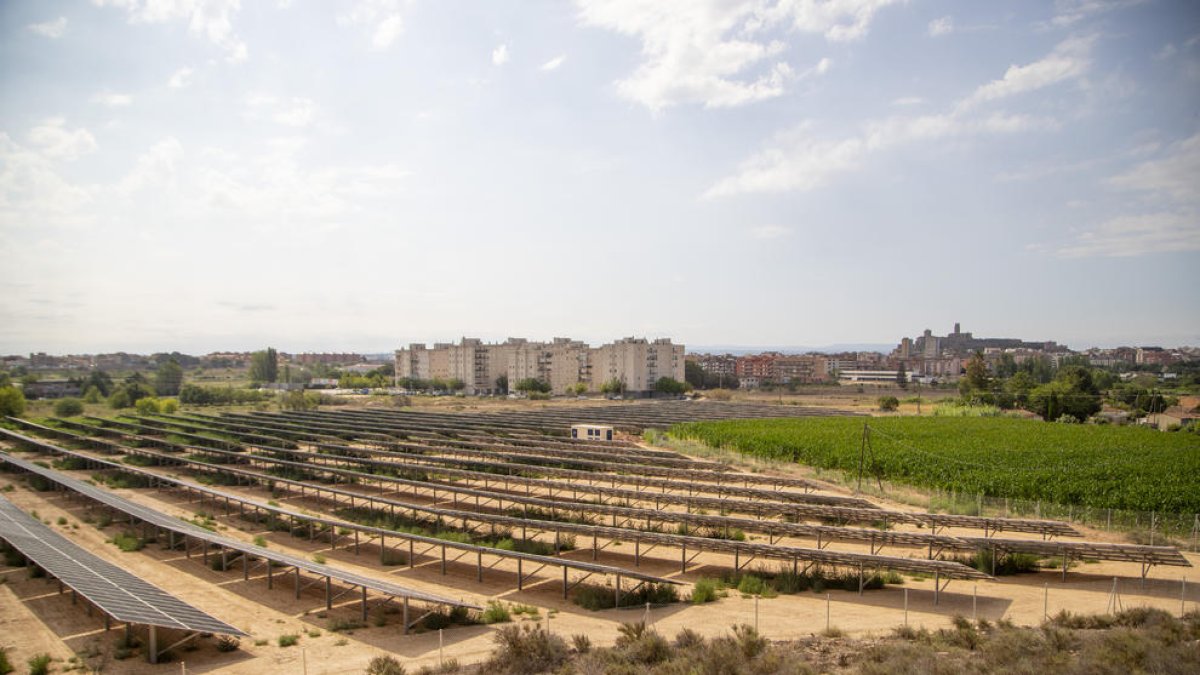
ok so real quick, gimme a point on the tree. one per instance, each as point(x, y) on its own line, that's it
point(502, 384)
point(264, 365)
point(693, 374)
point(168, 378)
point(100, 380)
point(456, 384)
point(147, 406)
point(976, 385)
point(889, 403)
point(92, 395)
point(12, 401)
point(579, 388)
point(902, 376)
point(68, 407)
point(119, 399)
point(613, 386)
point(1072, 393)
point(298, 400)
point(1019, 386)
point(532, 385)
point(667, 385)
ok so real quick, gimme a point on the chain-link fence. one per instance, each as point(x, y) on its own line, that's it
point(1141, 527)
point(1155, 528)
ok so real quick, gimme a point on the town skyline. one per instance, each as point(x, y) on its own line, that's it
point(883, 346)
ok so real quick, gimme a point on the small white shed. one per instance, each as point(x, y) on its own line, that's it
point(592, 432)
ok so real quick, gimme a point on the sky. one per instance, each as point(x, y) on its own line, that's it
point(210, 175)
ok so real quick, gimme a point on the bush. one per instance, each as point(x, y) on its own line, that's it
point(889, 403)
point(5, 666)
point(496, 612)
point(705, 591)
point(385, 665)
point(227, 643)
point(527, 649)
point(582, 644)
point(68, 407)
point(288, 640)
point(12, 401)
point(39, 665)
point(168, 406)
point(128, 542)
point(752, 585)
point(147, 406)
point(344, 625)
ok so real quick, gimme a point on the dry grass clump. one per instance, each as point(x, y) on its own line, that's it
point(1136, 640)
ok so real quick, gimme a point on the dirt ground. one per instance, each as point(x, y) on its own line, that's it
point(35, 618)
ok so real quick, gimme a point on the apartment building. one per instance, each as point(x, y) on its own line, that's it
point(637, 363)
point(562, 363)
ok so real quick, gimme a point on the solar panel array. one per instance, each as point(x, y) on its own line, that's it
point(149, 515)
point(338, 523)
point(116, 592)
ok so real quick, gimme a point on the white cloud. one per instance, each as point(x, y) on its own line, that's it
point(154, 170)
point(554, 63)
point(719, 52)
point(1070, 12)
point(908, 100)
point(1172, 222)
point(1175, 175)
point(180, 78)
point(51, 29)
point(1070, 59)
point(1128, 236)
point(500, 55)
point(212, 19)
point(799, 161)
point(112, 100)
point(1168, 50)
point(32, 193)
point(770, 231)
point(942, 26)
point(382, 18)
point(55, 141)
point(387, 31)
point(293, 112)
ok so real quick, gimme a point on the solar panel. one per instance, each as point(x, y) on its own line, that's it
point(148, 515)
point(332, 522)
point(116, 592)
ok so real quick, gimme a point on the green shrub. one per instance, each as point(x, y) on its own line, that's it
point(288, 640)
point(39, 664)
point(5, 666)
point(751, 585)
point(705, 590)
point(227, 643)
point(68, 407)
point(889, 403)
point(129, 542)
point(496, 612)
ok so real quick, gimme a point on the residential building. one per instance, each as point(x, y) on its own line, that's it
point(637, 363)
point(561, 363)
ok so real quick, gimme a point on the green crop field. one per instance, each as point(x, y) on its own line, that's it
point(1087, 465)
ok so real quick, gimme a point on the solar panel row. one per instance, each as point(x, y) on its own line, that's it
point(115, 591)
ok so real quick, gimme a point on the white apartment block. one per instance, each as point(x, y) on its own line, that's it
point(637, 363)
point(562, 363)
